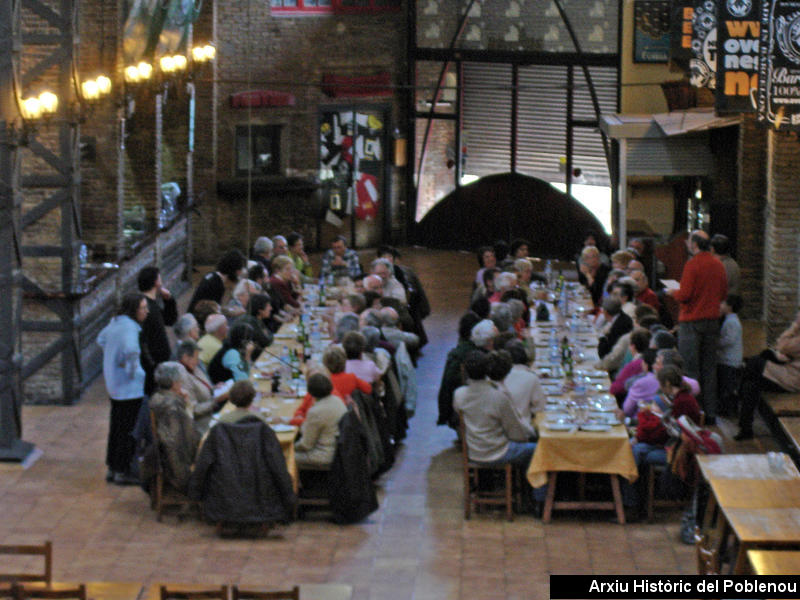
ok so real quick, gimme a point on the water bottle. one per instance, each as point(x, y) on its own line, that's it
point(286, 364)
point(548, 272)
point(554, 351)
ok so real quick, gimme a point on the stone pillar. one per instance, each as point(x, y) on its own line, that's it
point(782, 232)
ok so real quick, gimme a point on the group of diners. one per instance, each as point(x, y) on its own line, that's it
point(232, 318)
point(659, 372)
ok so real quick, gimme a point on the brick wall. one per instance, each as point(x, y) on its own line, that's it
point(781, 232)
point(751, 189)
point(291, 55)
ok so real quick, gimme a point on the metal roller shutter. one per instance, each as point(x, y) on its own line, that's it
point(541, 120)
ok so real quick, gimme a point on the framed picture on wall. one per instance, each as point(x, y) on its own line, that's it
point(651, 31)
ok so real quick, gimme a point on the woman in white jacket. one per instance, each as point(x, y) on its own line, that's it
point(124, 377)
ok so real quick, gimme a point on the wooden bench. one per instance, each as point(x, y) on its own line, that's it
point(782, 404)
point(791, 427)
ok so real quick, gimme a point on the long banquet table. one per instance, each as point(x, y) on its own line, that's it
point(577, 449)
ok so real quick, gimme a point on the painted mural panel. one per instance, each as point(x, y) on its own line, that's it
point(352, 156)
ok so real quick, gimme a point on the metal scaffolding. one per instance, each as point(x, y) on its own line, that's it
point(38, 183)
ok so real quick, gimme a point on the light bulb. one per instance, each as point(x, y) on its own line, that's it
point(145, 70)
point(48, 102)
point(199, 54)
point(167, 64)
point(32, 108)
point(103, 84)
point(90, 89)
point(179, 62)
point(210, 51)
point(131, 74)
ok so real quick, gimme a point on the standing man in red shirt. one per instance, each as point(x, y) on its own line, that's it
point(703, 286)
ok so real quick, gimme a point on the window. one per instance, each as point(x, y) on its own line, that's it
point(261, 152)
point(315, 7)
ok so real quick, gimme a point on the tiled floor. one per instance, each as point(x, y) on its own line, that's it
point(417, 545)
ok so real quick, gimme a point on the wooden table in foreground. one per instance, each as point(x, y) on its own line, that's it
point(758, 505)
point(774, 562)
point(757, 527)
point(97, 590)
point(308, 591)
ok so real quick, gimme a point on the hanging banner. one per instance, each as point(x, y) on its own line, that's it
point(681, 32)
point(779, 64)
point(738, 37)
point(703, 64)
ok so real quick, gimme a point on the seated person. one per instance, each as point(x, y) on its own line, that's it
point(216, 328)
point(320, 430)
point(486, 260)
point(392, 332)
point(373, 351)
point(259, 309)
point(340, 261)
point(495, 434)
point(175, 426)
point(617, 324)
point(775, 370)
point(240, 474)
point(198, 387)
point(639, 342)
point(500, 315)
point(645, 387)
point(241, 395)
point(503, 282)
point(186, 328)
point(673, 401)
point(283, 273)
point(452, 375)
point(522, 383)
point(232, 361)
point(240, 298)
point(485, 288)
point(354, 344)
point(344, 384)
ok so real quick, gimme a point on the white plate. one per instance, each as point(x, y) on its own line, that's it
point(556, 416)
point(595, 427)
point(281, 427)
point(560, 426)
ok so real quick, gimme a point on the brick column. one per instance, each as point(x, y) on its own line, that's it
point(751, 189)
point(782, 232)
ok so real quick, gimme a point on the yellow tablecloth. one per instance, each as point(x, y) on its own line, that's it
point(582, 452)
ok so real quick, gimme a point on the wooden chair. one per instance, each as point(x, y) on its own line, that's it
point(176, 593)
point(162, 494)
point(472, 490)
point(45, 550)
point(46, 593)
point(313, 500)
point(707, 557)
point(240, 594)
point(653, 472)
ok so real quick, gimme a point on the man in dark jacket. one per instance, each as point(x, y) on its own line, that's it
point(240, 475)
point(162, 313)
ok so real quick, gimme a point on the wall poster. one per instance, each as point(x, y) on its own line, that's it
point(352, 150)
point(651, 31)
point(703, 65)
point(779, 64)
point(737, 55)
point(680, 39)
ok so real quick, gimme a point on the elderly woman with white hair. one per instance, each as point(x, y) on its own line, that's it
point(500, 314)
point(503, 282)
point(175, 429)
point(483, 334)
point(186, 329)
point(262, 251)
point(240, 298)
